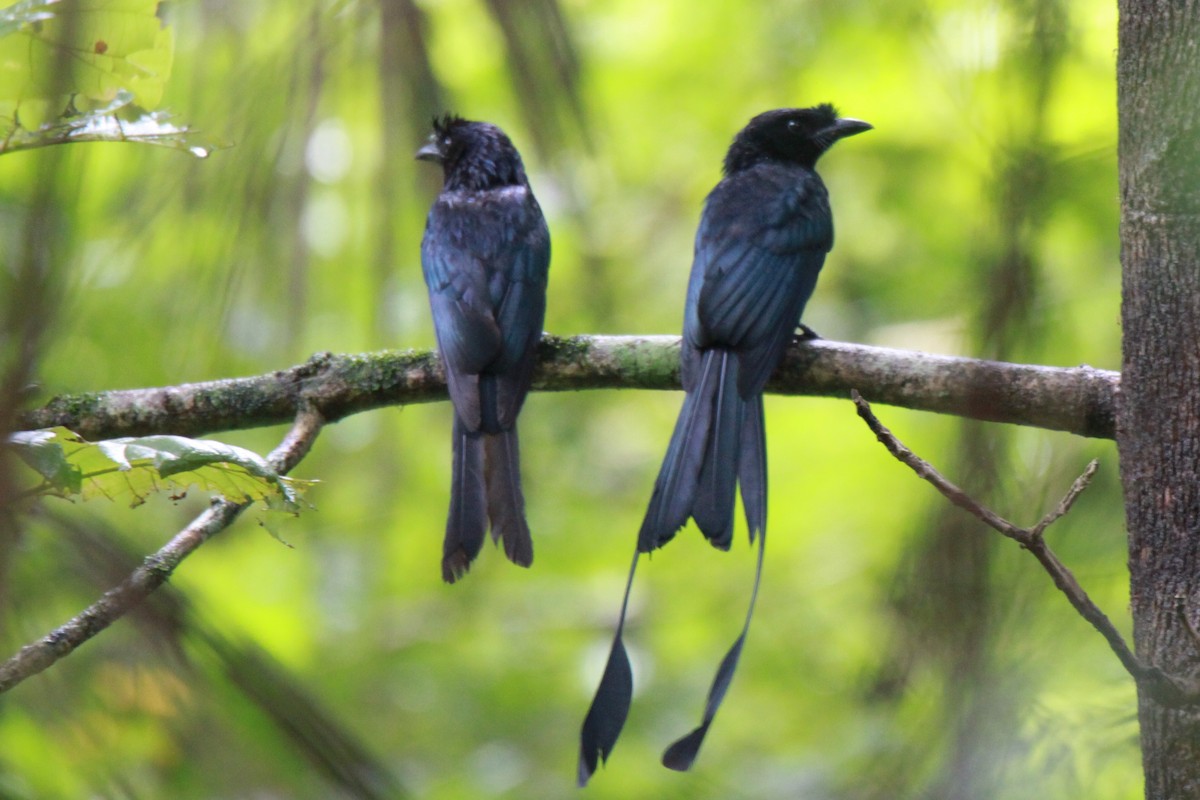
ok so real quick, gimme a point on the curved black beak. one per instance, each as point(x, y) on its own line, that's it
point(846, 126)
point(431, 150)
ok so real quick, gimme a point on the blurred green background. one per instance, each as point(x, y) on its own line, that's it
point(899, 651)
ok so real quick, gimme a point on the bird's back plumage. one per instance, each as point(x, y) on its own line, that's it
point(760, 246)
point(486, 261)
point(486, 257)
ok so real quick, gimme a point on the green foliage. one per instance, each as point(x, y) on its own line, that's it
point(84, 72)
point(133, 468)
point(105, 46)
point(25, 13)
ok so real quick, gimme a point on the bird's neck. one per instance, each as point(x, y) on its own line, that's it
point(741, 158)
point(482, 175)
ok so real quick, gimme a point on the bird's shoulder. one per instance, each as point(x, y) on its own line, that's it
point(487, 228)
point(470, 209)
point(772, 192)
point(776, 207)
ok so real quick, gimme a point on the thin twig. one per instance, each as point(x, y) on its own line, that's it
point(1168, 690)
point(918, 465)
point(154, 570)
point(1064, 505)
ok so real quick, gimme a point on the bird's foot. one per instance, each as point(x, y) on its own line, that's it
point(805, 333)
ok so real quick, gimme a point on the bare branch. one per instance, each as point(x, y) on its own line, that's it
point(154, 571)
point(1169, 690)
point(1064, 505)
point(1079, 400)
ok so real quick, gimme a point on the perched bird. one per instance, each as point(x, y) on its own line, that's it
point(486, 256)
point(762, 240)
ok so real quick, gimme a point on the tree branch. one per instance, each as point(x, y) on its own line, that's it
point(155, 570)
point(1169, 690)
point(1079, 400)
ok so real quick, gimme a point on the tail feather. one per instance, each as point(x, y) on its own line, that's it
point(505, 500)
point(466, 525)
point(681, 467)
point(752, 467)
point(679, 477)
point(715, 498)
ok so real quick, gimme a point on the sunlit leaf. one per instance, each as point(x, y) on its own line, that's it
point(43, 451)
point(133, 468)
point(71, 71)
point(27, 12)
point(105, 125)
point(275, 509)
point(108, 46)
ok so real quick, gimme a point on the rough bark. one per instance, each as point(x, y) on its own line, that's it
point(1158, 420)
point(1079, 400)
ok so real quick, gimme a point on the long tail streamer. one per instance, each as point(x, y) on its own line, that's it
point(610, 707)
point(682, 753)
point(604, 720)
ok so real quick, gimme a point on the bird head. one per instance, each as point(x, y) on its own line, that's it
point(473, 155)
point(795, 135)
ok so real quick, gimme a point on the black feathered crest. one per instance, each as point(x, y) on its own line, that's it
point(797, 120)
point(476, 155)
point(827, 110)
point(442, 125)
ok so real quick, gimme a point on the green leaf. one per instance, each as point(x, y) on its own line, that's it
point(13, 17)
point(104, 125)
point(110, 45)
point(41, 451)
point(68, 66)
point(135, 467)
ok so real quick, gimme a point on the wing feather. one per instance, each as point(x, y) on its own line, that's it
point(759, 249)
point(486, 263)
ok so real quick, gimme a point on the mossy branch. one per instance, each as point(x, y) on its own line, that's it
point(1079, 400)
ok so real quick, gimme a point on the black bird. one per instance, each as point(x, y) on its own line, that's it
point(762, 240)
point(486, 256)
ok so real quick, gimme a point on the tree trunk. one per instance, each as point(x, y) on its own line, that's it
point(1158, 420)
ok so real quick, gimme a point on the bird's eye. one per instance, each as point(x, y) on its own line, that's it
point(793, 125)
